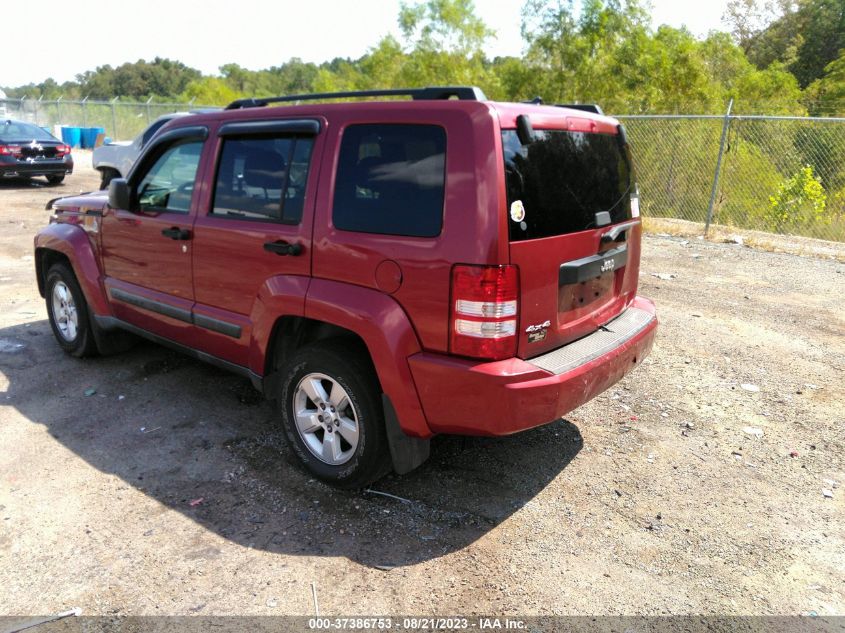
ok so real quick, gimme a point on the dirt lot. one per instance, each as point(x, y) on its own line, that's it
point(674, 492)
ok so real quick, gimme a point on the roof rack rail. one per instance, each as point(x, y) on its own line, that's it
point(462, 93)
point(584, 107)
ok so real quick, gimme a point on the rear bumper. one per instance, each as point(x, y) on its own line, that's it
point(503, 397)
point(17, 168)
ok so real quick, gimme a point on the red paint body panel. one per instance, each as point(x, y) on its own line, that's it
point(134, 251)
point(542, 299)
point(499, 398)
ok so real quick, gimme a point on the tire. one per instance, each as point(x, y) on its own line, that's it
point(106, 176)
point(55, 180)
point(68, 312)
point(334, 387)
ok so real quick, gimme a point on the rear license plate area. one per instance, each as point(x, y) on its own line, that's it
point(580, 295)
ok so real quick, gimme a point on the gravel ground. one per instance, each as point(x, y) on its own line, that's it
point(694, 486)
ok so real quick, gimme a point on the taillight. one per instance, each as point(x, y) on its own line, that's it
point(484, 311)
point(61, 150)
point(9, 150)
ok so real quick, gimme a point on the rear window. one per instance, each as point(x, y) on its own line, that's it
point(558, 183)
point(18, 131)
point(390, 180)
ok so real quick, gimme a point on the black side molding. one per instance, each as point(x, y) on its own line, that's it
point(180, 314)
point(216, 325)
point(151, 304)
point(587, 268)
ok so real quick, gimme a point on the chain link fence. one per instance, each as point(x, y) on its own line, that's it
point(120, 120)
point(776, 174)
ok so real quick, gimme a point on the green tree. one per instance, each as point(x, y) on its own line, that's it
point(798, 203)
point(826, 96)
point(210, 91)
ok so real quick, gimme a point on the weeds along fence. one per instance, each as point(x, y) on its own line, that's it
point(775, 174)
point(121, 120)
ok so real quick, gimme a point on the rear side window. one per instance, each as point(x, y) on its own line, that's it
point(262, 178)
point(390, 180)
point(558, 183)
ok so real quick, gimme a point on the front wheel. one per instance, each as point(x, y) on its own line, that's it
point(331, 411)
point(55, 180)
point(68, 312)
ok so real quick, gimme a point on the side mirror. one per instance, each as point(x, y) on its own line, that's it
point(119, 194)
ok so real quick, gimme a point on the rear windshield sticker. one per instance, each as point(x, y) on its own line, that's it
point(517, 211)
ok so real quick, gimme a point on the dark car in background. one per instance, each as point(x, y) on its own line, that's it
point(27, 150)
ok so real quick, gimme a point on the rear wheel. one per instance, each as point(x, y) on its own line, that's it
point(55, 180)
point(332, 414)
point(68, 312)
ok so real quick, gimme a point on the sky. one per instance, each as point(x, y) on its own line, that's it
point(253, 33)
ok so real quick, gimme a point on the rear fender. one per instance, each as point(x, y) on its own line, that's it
point(74, 243)
point(388, 334)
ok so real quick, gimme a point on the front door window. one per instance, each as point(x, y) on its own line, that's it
point(169, 183)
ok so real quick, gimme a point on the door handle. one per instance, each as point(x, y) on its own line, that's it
point(283, 248)
point(175, 233)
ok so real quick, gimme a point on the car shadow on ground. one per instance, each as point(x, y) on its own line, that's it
point(36, 182)
point(203, 442)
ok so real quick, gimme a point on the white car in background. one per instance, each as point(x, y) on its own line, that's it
point(113, 160)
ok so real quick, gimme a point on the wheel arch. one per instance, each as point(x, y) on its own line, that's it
point(71, 244)
point(366, 318)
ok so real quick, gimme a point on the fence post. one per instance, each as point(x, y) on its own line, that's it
point(114, 118)
point(35, 106)
point(148, 110)
point(59, 109)
point(715, 189)
point(85, 112)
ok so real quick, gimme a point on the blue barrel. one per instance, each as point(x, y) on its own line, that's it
point(71, 135)
point(89, 137)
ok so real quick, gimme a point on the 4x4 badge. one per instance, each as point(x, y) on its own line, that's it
point(539, 327)
point(537, 333)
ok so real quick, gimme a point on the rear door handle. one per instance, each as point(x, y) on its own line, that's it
point(283, 248)
point(175, 233)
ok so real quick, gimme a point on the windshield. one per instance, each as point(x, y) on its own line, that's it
point(557, 183)
point(16, 131)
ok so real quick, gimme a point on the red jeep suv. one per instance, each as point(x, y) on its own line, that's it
point(383, 270)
